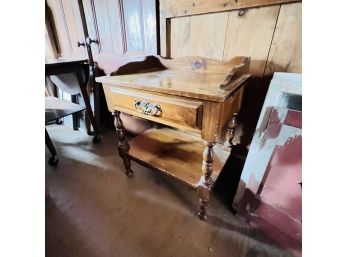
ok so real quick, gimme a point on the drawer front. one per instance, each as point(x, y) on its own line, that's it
point(163, 109)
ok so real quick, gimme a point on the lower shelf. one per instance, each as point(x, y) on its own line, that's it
point(175, 153)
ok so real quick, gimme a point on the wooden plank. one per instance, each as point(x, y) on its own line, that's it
point(179, 38)
point(165, 35)
point(201, 35)
point(175, 153)
point(74, 27)
point(133, 26)
point(286, 49)
point(106, 34)
point(59, 23)
point(51, 49)
point(149, 26)
point(251, 35)
point(180, 8)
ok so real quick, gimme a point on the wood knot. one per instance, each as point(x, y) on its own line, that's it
point(197, 64)
point(242, 12)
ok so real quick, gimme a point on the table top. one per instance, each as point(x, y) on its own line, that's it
point(183, 80)
point(52, 61)
point(56, 108)
point(61, 65)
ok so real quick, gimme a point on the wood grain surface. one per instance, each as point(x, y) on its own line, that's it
point(286, 49)
point(175, 153)
point(194, 77)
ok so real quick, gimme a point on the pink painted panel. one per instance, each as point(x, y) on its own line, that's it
point(273, 201)
point(284, 173)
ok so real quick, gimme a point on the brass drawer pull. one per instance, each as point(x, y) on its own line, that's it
point(147, 108)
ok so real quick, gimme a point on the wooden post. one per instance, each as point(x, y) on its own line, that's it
point(123, 146)
point(231, 127)
point(93, 66)
point(206, 180)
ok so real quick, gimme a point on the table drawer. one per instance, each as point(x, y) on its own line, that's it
point(159, 108)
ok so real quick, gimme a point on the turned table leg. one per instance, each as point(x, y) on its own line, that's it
point(206, 181)
point(231, 127)
point(123, 146)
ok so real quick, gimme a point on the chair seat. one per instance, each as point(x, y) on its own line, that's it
point(56, 108)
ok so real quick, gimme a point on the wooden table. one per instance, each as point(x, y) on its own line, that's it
point(56, 108)
point(62, 66)
point(196, 99)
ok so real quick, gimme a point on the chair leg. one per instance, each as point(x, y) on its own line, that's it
point(96, 138)
point(75, 116)
point(54, 159)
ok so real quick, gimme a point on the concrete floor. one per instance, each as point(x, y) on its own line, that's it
point(94, 210)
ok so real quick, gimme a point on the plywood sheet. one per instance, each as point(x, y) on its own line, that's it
point(251, 35)
point(286, 49)
point(201, 35)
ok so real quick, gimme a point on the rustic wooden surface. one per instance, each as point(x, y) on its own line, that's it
point(225, 29)
point(250, 35)
point(175, 93)
point(189, 38)
point(175, 153)
point(170, 9)
point(286, 49)
point(186, 81)
point(267, 31)
point(183, 83)
point(185, 86)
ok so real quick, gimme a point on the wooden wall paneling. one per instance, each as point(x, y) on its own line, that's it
point(50, 41)
point(116, 20)
point(251, 35)
point(286, 49)
point(179, 36)
point(49, 52)
point(109, 43)
point(74, 27)
point(165, 35)
point(50, 34)
point(133, 26)
point(150, 26)
point(63, 44)
point(200, 35)
point(180, 8)
point(88, 6)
